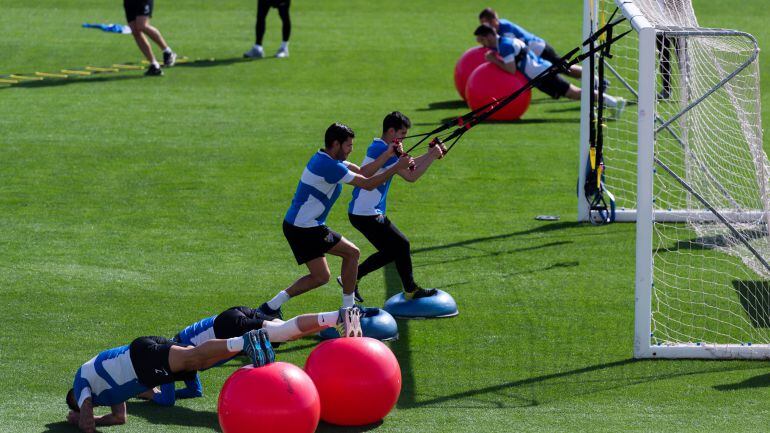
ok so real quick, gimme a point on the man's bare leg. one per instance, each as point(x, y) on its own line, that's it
point(349, 271)
point(137, 31)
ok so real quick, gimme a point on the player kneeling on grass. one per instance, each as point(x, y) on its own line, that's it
point(116, 375)
point(240, 320)
point(515, 56)
point(305, 222)
point(367, 209)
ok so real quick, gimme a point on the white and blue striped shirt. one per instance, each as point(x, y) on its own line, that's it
point(318, 189)
point(528, 63)
point(108, 378)
point(373, 202)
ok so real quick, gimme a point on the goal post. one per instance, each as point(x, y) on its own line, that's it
point(685, 162)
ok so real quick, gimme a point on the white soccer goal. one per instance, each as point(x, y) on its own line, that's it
point(685, 162)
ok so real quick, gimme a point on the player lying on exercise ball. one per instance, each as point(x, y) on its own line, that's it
point(116, 375)
point(511, 55)
point(240, 320)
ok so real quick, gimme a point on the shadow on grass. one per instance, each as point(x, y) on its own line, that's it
point(495, 253)
point(174, 415)
point(761, 381)
point(61, 427)
point(755, 299)
point(324, 427)
point(528, 121)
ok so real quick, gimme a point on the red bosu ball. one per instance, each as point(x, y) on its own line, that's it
point(358, 380)
point(278, 397)
point(488, 83)
point(470, 60)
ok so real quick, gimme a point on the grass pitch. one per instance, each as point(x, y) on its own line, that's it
point(133, 206)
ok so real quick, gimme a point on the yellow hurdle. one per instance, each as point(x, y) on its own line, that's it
point(71, 72)
point(98, 69)
point(134, 67)
point(6, 81)
point(25, 78)
point(49, 75)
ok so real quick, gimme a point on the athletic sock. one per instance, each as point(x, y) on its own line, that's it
point(235, 344)
point(610, 101)
point(155, 63)
point(257, 46)
point(348, 300)
point(328, 319)
point(168, 50)
point(284, 45)
point(278, 300)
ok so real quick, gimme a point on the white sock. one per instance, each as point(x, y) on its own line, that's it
point(328, 319)
point(155, 63)
point(284, 45)
point(257, 46)
point(348, 300)
point(282, 331)
point(610, 101)
point(278, 300)
point(235, 344)
point(168, 50)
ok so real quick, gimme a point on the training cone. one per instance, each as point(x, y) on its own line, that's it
point(358, 380)
point(440, 305)
point(470, 60)
point(489, 83)
point(276, 398)
point(377, 324)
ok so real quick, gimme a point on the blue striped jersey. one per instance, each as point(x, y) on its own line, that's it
point(318, 189)
point(197, 333)
point(511, 30)
point(108, 378)
point(373, 202)
point(527, 62)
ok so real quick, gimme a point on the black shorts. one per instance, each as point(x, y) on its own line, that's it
point(381, 232)
point(310, 243)
point(237, 321)
point(277, 3)
point(550, 54)
point(149, 356)
point(554, 86)
point(136, 8)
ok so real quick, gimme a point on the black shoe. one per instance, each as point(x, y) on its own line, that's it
point(169, 59)
point(153, 71)
point(356, 294)
point(419, 292)
point(267, 311)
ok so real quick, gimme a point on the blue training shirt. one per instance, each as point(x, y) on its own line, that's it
point(511, 30)
point(514, 50)
point(318, 189)
point(108, 378)
point(373, 202)
point(198, 332)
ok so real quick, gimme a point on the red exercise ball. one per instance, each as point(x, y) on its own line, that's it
point(278, 397)
point(358, 380)
point(470, 60)
point(488, 82)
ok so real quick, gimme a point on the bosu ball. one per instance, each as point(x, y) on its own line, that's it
point(437, 306)
point(375, 323)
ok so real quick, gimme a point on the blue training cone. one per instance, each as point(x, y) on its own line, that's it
point(438, 306)
point(375, 322)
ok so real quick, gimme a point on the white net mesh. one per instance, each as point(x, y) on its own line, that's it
point(709, 286)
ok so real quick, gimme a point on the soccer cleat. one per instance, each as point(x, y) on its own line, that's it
point(282, 53)
point(267, 311)
point(419, 292)
point(153, 71)
point(618, 111)
point(254, 53)
point(267, 348)
point(253, 349)
point(356, 294)
point(169, 59)
point(349, 322)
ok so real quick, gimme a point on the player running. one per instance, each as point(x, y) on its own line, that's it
point(116, 375)
point(138, 14)
point(367, 209)
point(240, 320)
point(515, 56)
point(305, 222)
point(536, 44)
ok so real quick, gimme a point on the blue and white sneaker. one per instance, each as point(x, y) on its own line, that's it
point(267, 348)
point(253, 348)
point(349, 322)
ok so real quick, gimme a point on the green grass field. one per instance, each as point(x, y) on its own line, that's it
point(133, 206)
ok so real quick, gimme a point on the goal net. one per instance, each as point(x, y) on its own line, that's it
point(685, 162)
